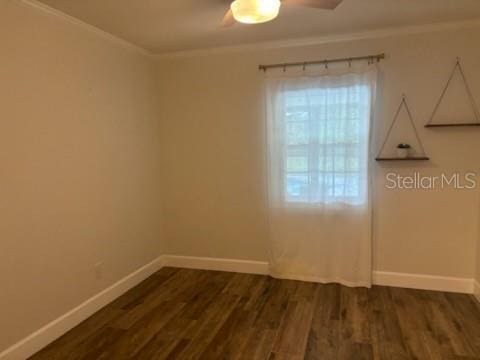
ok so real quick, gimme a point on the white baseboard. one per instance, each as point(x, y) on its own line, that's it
point(217, 264)
point(47, 334)
point(423, 282)
point(52, 331)
point(476, 290)
point(412, 281)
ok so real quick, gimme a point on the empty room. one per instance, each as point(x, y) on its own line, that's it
point(239, 179)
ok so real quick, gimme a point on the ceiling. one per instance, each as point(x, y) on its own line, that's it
point(166, 26)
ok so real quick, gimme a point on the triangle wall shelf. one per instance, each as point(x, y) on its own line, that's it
point(462, 103)
point(399, 141)
point(451, 125)
point(413, 158)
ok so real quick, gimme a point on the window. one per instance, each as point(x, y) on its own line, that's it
point(325, 133)
point(321, 137)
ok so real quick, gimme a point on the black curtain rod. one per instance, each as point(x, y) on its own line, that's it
point(325, 62)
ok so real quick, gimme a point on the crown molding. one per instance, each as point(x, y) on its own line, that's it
point(319, 40)
point(276, 44)
point(91, 28)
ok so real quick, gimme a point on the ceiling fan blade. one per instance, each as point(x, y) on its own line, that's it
point(228, 19)
point(319, 4)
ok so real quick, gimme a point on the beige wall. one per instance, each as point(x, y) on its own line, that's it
point(477, 274)
point(89, 174)
point(79, 176)
point(213, 153)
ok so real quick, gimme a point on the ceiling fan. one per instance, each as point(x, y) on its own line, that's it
point(260, 11)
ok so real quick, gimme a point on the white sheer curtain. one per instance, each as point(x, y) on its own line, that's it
point(318, 132)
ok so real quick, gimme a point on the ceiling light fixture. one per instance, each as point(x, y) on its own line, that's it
point(255, 11)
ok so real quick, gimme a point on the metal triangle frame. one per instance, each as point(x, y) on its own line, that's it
point(473, 104)
point(403, 103)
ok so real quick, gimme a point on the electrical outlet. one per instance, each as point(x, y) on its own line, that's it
point(99, 270)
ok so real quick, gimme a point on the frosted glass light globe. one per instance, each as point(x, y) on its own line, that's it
point(255, 11)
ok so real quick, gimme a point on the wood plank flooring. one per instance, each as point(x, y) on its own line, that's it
point(193, 314)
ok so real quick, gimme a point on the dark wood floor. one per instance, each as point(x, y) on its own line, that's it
point(191, 314)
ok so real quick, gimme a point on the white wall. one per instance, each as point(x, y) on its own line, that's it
point(213, 153)
point(79, 173)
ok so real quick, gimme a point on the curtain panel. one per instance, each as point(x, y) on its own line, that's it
point(320, 211)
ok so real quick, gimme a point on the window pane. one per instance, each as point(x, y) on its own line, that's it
point(297, 114)
point(297, 164)
point(352, 187)
point(297, 159)
point(297, 133)
point(297, 187)
point(352, 164)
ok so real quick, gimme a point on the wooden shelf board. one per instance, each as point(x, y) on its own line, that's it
point(417, 158)
point(451, 125)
